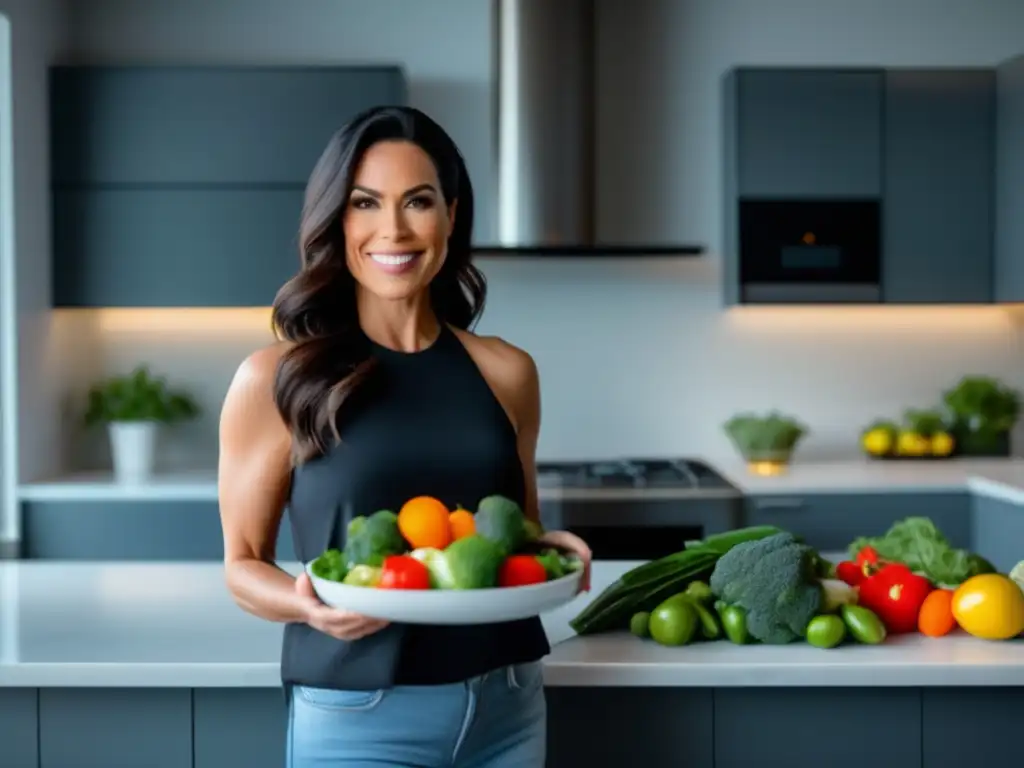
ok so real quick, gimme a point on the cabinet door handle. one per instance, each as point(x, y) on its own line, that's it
point(780, 503)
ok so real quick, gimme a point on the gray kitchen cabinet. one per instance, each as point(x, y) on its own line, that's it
point(130, 530)
point(19, 728)
point(939, 186)
point(997, 531)
point(831, 521)
point(184, 247)
point(970, 726)
point(808, 132)
point(239, 726)
point(115, 728)
point(183, 186)
point(194, 126)
point(658, 726)
point(1009, 182)
point(794, 727)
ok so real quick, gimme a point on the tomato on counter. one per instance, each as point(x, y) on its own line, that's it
point(403, 572)
point(895, 594)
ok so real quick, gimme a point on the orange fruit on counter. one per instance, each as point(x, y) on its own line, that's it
point(935, 618)
point(423, 522)
point(462, 523)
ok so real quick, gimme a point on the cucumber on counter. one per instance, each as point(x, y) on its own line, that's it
point(645, 587)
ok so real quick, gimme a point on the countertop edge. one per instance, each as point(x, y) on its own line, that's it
point(556, 675)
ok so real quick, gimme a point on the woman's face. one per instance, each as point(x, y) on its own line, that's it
point(396, 222)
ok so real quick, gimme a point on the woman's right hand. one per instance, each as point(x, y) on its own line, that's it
point(344, 625)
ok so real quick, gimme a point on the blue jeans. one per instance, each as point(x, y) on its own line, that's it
point(498, 720)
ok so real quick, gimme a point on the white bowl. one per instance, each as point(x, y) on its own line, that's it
point(448, 606)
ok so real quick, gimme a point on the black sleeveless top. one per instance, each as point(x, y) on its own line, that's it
point(426, 423)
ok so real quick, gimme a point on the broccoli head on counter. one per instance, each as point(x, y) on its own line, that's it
point(778, 582)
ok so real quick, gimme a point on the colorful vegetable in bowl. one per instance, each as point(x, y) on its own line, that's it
point(501, 551)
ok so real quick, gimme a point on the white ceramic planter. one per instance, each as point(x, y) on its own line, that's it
point(133, 447)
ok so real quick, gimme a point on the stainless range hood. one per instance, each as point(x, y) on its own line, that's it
point(546, 98)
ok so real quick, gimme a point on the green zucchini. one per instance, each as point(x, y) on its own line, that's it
point(647, 585)
point(720, 543)
point(613, 608)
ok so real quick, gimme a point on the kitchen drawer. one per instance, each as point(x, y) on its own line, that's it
point(204, 125)
point(829, 522)
point(174, 247)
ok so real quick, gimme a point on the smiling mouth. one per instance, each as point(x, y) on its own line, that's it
point(395, 259)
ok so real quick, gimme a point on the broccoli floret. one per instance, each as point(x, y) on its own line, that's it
point(502, 521)
point(776, 580)
point(370, 539)
point(330, 565)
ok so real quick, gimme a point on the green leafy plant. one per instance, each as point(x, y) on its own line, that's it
point(139, 396)
point(983, 404)
point(772, 436)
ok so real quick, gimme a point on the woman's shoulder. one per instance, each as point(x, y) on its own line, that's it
point(513, 365)
point(252, 388)
point(260, 367)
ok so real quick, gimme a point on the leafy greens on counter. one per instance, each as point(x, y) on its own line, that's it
point(920, 545)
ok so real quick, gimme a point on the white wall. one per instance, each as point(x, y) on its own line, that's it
point(635, 357)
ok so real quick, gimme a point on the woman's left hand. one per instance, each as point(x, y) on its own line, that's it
point(570, 542)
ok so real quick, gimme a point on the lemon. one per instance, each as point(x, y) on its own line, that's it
point(989, 606)
point(877, 442)
point(912, 444)
point(942, 444)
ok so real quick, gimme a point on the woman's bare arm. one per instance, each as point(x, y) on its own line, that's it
point(253, 478)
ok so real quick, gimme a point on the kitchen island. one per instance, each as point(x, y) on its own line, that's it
point(152, 665)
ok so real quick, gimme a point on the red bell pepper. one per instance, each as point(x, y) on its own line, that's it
point(849, 572)
point(868, 560)
point(895, 594)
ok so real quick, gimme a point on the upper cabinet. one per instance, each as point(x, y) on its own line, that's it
point(920, 144)
point(808, 133)
point(183, 186)
point(939, 192)
point(1010, 182)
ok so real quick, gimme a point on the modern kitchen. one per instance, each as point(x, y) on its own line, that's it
point(766, 256)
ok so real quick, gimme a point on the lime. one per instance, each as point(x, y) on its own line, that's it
point(674, 622)
point(826, 631)
point(639, 625)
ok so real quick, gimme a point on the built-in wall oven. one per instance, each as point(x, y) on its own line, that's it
point(794, 251)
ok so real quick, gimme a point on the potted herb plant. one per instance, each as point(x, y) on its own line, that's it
point(133, 407)
point(983, 412)
point(766, 442)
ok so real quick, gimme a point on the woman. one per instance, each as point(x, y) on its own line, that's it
point(378, 393)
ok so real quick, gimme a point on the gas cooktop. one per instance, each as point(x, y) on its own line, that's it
point(631, 473)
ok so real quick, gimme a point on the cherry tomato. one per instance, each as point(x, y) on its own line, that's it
point(404, 572)
point(521, 570)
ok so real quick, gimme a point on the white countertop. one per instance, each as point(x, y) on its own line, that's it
point(1000, 478)
point(174, 625)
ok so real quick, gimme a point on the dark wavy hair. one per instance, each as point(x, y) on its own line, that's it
point(316, 309)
